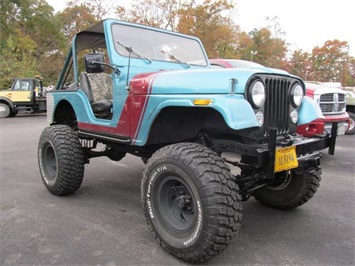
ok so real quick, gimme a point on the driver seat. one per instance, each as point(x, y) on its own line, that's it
point(101, 107)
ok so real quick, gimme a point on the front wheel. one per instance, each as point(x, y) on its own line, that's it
point(191, 201)
point(61, 160)
point(5, 110)
point(290, 189)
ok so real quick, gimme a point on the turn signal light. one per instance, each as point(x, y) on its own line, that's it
point(202, 102)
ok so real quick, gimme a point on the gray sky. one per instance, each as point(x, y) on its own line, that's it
point(307, 23)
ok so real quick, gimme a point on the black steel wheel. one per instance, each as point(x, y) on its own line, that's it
point(61, 160)
point(290, 189)
point(176, 203)
point(191, 201)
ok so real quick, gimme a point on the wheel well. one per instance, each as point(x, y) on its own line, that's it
point(8, 104)
point(176, 124)
point(65, 115)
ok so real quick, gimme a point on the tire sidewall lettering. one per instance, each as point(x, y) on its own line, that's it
point(198, 227)
point(149, 189)
point(157, 175)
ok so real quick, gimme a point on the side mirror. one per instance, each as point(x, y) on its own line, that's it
point(94, 63)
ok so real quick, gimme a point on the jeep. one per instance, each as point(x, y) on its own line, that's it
point(129, 88)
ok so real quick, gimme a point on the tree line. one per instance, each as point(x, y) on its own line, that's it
point(35, 39)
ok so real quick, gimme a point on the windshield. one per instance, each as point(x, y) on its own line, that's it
point(157, 45)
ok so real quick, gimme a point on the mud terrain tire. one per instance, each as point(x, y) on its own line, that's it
point(191, 201)
point(290, 190)
point(61, 160)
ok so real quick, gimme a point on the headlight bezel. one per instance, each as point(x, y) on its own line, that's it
point(295, 92)
point(254, 87)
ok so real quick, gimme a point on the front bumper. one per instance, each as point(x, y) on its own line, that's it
point(265, 153)
point(343, 127)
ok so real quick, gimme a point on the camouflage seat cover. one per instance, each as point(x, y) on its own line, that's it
point(101, 86)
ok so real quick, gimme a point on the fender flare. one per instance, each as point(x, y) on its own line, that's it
point(235, 110)
point(309, 111)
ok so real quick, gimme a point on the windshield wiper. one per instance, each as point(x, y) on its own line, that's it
point(131, 50)
point(173, 57)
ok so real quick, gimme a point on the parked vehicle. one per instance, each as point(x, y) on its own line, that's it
point(169, 107)
point(25, 94)
point(350, 108)
point(332, 103)
point(330, 99)
point(234, 63)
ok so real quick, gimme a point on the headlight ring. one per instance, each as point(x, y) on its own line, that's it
point(297, 95)
point(257, 94)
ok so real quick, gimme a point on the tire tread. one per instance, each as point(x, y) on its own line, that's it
point(70, 159)
point(218, 191)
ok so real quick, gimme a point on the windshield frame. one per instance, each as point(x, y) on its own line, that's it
point(186, 39)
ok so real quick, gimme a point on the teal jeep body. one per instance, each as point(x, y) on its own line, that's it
point(164, 103)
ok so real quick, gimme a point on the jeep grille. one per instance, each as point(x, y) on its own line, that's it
point(332, 103)
point(277, 104)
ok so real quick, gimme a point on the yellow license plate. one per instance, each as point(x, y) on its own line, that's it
point(285, 159)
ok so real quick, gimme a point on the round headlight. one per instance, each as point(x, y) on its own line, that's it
point(257, 93)
point(296, 95)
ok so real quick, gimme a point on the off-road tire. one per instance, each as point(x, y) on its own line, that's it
point(61, 160)
point(290, 190)
point(191, 201)
point(5, 110)
point(351, 130)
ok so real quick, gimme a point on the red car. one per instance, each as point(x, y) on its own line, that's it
point(331, 100)
point(234, 63)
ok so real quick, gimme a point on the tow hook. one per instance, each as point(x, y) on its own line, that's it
point(287, 140)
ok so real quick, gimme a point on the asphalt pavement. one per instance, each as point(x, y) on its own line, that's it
point(103, 222)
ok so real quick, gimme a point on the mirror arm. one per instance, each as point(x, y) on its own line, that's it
point(116, 70)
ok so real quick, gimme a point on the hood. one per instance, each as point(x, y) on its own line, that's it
point(319, 89)
point(204, 81)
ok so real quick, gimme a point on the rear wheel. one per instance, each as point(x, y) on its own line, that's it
point(191, 201)
point(290, 189)
point(61, 160)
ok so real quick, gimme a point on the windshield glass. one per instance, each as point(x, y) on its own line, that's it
point(158, 45)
